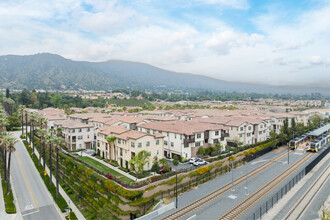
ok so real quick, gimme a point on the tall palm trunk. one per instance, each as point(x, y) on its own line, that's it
point(8, 176)
point(32, 140)
point(26, 129)
point(57, 194)
point(22, 122)
point(40, 148)
point(44, 154)
point(5, 162)
point(50, 165)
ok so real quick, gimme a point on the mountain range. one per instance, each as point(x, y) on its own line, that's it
point(53, 72)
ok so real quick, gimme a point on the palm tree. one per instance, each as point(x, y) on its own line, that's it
point(58, 143)
point(4, 147)
point(26, 123)
point(42, 135)
point(111, 141)
point(21, 109)
point(51, 143)
point(33, 118)
point(11, 140)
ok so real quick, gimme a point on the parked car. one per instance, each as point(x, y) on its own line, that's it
point(200, 162)
point(193, 159)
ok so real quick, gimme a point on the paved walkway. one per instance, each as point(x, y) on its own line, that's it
point(116, 169)
point(62, 192)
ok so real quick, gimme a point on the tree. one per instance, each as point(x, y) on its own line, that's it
point(218, 147)
point(42, 134)
point(155, 165)
point(11, 141)
point(50, 140)
point(7, 93)
point(21, 110)
point(4, 147)
point(58, 142)
point(13, 122)
point(201, 151)
point(139, 161)
point(175, 160)
point(293, 125)
point(111, 142)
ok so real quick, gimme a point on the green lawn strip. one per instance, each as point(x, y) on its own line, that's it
point(62, 204)
point(9, 199)
point(101, 167)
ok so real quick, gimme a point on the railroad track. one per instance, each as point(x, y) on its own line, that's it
point(208, 198)
point(238, 210)
point(304, 201)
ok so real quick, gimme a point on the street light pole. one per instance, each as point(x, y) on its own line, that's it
point(176, 191)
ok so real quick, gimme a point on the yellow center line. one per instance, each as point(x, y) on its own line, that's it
point(27, 181)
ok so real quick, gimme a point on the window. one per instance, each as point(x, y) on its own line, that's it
point(186, 145)
point(119, 141)
point(157, 142)
point(241, 128)
point(121, 151)
point(250, 128)
point(248, 134)
point(216, 133)
point(88, 129)
point(148, 131)
point(73, 131)
point(197, 144)
point(79, 145)
point(175, 136)
point(79, 130)
point(260, 132)
point(157, 152)
point(240, 135)
point(139, 145)
point(215, 141)
point(148, 143)
point(261, 126)
point(80, 137)
point(87, 136)
point(133, 144)
point(172, 144)
point(199, 135)
point(165, 143)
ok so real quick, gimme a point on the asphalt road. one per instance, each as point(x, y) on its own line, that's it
point(230, 199)
point(34, 200)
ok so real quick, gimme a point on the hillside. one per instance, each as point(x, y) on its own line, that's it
point(49, 71)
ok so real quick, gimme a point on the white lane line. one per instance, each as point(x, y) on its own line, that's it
point(30, 213)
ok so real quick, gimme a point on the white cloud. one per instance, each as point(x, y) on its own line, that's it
point(316, 60)
point(222, 42)
point(238, 4)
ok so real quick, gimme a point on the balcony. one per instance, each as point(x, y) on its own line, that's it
point(190, 139)
point(224, 134)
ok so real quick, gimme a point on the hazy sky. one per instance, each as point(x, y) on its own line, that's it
point(268, 41)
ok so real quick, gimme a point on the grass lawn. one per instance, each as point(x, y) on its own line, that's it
point(105, 169)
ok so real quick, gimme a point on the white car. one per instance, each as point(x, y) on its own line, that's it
point(200, 162)
point(193, 159)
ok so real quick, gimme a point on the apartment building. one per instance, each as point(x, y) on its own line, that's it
point(77, 135)
point(102, 145)
point(130, 143)
point(183, 138)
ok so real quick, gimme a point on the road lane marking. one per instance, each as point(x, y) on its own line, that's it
point(191, 217)
point(30, 213)
point(27, 181)
point(232, 197)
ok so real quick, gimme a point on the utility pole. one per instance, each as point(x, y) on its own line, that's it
point(176, 191)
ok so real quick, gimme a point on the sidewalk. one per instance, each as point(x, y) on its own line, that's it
point(62, 192)
point(116, 169)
